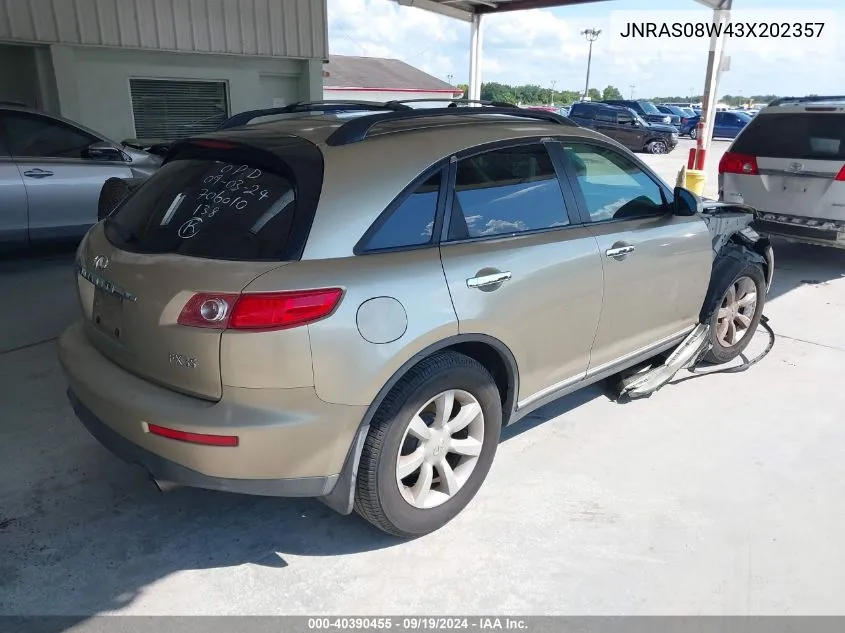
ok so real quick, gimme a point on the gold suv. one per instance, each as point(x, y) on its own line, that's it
point(350, 302)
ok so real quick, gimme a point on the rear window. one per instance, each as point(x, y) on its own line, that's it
point(648, 107)
point(810, 136)
point(228, 208)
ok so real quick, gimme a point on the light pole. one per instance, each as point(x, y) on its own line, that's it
point(449, 79)
point(632, 87)
point(592, 35)
point(552, 98)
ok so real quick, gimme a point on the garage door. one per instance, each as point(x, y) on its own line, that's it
point(169, 110)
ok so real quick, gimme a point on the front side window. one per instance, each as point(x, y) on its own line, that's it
point(506, 191)
point(614, 187)
point(411, 222)
point(32, 136)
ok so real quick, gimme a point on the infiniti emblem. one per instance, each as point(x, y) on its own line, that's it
point(101, 262)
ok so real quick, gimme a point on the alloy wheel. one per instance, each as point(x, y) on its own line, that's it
point(440, 448)
point(736, 312)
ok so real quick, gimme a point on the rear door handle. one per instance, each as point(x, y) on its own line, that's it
point(486, 281)
point(38, 173)
point(619, 251)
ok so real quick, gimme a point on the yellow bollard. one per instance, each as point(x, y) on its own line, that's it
point(695, 181)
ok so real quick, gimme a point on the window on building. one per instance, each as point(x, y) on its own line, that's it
point(170, 110)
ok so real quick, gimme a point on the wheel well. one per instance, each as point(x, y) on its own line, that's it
point(498, 368)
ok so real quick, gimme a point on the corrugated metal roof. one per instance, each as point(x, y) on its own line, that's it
point(465, 9)
point(377, 72)
point(277, 28)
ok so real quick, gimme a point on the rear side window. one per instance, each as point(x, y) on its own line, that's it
point(807, 135)
point(506, 191)
point(213, 209)
point(411, 222)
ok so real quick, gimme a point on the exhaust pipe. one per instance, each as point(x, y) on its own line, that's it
point(165, 486)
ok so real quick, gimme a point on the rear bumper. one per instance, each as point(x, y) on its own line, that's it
point(291, 443)
point(802, 229)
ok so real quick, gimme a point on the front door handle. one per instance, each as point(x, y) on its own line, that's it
point(619, 252)
point(38, 173)
point(489, 281)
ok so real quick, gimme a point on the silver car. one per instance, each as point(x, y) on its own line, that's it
point(51, 174)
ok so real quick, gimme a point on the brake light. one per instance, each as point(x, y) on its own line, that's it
point(733, 163)
point(211, 143)
point(259, 310)
point(277, 310)
point(193, 438)
point(841, 175)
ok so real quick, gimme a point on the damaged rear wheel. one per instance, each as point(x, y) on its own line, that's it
point(733, 323)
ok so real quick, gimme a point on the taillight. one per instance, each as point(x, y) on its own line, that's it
point(733, 163)
point(841, 175)
point(193, 438)
point(259, 310)
point(207, 309)
point(276, 310)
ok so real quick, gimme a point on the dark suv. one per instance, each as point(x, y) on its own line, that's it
point(625, 126)
point(647, 110)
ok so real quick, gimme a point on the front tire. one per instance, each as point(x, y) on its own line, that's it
point(733, 323)
point(657, 147)
point(430, 446)
point(693, 133)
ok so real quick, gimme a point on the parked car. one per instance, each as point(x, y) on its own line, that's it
point(626, 127)
point(351, 308)
point(725, 125)
point(789, 163)
point(682, 114)
point(51, 173)
point(647, 110)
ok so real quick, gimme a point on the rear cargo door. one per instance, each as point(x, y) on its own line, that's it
point(799, 156)
point(203, 224)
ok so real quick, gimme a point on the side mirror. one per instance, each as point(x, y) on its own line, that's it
point(686, 203)
point(102, 151)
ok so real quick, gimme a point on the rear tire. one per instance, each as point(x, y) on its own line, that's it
point(737, 315)
point(693, 133)
point(409, 499)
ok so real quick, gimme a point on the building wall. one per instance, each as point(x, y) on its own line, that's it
point(273, 28)
point(17, 69)
point(93, 83)
point(382, 95)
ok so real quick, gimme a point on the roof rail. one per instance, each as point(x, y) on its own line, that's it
point(809, 99)
point(313, 106)
point(458, 102)
point(357, 129)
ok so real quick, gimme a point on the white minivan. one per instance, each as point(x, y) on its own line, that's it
point(789, 164)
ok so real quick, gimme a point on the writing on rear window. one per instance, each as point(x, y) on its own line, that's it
point(232, 188)
point(207, 208)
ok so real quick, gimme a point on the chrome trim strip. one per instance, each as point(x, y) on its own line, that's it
point(768, 171)
point(104, 284)
point(596, 370)
point(548, 390)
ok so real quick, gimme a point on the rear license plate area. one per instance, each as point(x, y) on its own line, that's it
point(107, 313)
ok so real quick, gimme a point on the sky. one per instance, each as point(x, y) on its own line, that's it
point(542, 46)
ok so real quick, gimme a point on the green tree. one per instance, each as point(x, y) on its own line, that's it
point(594, 94)
point(611, 92)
